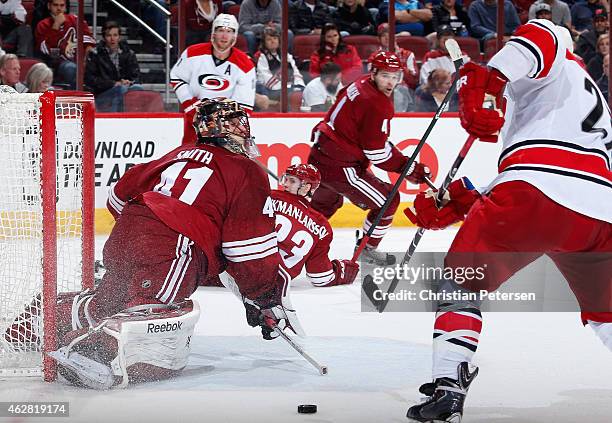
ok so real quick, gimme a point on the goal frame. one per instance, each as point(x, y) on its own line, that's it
point(49, 101)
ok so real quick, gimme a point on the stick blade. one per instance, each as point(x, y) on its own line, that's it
point(453, 49)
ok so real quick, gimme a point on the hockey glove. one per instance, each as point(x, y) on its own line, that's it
point(345, 272)
point(267, 318)
point(475, 82)
point(458, 200)
point(417, 173)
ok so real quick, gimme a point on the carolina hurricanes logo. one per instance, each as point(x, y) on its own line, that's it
point(213, 82)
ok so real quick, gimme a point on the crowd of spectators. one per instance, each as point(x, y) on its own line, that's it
point(47, 32)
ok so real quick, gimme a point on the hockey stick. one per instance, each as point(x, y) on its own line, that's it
point(322, 369)
point(457, 57)
point(368, 282)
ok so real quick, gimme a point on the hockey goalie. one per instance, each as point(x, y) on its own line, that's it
point(194, 213)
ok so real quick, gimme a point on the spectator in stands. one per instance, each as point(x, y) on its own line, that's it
point(560, 12)
point(41, 11)
point(483, 19)
point(111, 70)
point(333, 49)
point(254, 16)
point(9, 72)
point(430, 96)
point(308, 17)
point(440, 57)
point(354, 19)
point(268, 68)
point(602, 82)
point(39, 78)
point(586, 46)
point(403, 95)
point(56, 40)
point(411, 16)
point(320, 93)
point(583, 13)
point(542, 11)
point(15, 34)
point(448, 12)
point(595, 65)
point(199, 15)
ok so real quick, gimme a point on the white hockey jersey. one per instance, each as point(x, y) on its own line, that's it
point(196, 76)
point(557, 135)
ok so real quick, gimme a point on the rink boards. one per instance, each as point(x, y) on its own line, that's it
point(125, 140)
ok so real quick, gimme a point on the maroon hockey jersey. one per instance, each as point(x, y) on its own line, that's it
point(61, 42)
point(218, 199)
point(359, 124)
point(304, 237)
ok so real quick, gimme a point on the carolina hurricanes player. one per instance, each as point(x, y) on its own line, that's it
point(190, 214)
point(303, 234)
point(354, 134)
point(552, 196)
point(214, 69)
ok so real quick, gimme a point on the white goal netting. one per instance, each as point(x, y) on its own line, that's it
point(24, 257)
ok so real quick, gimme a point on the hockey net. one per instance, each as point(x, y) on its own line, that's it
point(46, 220)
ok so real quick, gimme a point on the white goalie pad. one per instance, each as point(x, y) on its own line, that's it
point(157, 334)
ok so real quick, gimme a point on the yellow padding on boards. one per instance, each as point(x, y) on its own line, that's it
point(348, 216)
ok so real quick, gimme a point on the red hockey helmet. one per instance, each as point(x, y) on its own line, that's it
point(306, 173)
point(386, 61)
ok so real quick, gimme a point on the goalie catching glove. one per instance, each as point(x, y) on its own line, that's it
point(477, 83)
point(458, 200)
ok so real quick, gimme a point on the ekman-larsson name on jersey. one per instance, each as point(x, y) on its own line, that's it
point(164, 327)
point(291, 211)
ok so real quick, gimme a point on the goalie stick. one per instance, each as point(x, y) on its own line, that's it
point(457, 57)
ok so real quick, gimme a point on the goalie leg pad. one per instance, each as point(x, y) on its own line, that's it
point(142, 343)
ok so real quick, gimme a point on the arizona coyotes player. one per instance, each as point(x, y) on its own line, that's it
point(190, 214)
point(214, 69)
point(552, 196)
point(303, 234)
point(354, 134)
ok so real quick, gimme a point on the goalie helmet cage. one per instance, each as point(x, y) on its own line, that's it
point(46, 221)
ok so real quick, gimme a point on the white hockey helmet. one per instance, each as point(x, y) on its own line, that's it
point(225, 20)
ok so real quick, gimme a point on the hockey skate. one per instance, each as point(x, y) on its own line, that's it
point(446, 401)
point(371, 255)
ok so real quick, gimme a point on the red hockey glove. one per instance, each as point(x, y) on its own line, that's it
point(475, 82)
point(345, 272)
point(457, 202)
point(417, 173)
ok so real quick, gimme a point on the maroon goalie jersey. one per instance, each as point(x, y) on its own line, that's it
point(304, 236)
point(218, 199)
point(358, 125)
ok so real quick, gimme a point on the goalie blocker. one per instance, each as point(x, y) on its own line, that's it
point(140, 344)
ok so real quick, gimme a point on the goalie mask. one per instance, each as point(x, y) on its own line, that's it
point(222, 122)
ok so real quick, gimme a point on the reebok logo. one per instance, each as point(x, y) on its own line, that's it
point(164, 327)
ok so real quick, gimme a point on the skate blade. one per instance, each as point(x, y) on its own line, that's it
point(88, 372)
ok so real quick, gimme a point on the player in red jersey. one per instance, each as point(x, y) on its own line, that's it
point(552, 196)
point(188, 215)
point(304, 235)
point(354, 134)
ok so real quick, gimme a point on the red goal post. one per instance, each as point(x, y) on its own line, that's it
point(46, 220)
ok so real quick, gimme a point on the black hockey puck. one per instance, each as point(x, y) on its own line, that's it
point(307, 409)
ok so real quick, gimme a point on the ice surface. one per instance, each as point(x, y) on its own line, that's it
point(535, 367)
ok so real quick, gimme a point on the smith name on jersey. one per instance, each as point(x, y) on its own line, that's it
point(198, 74)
